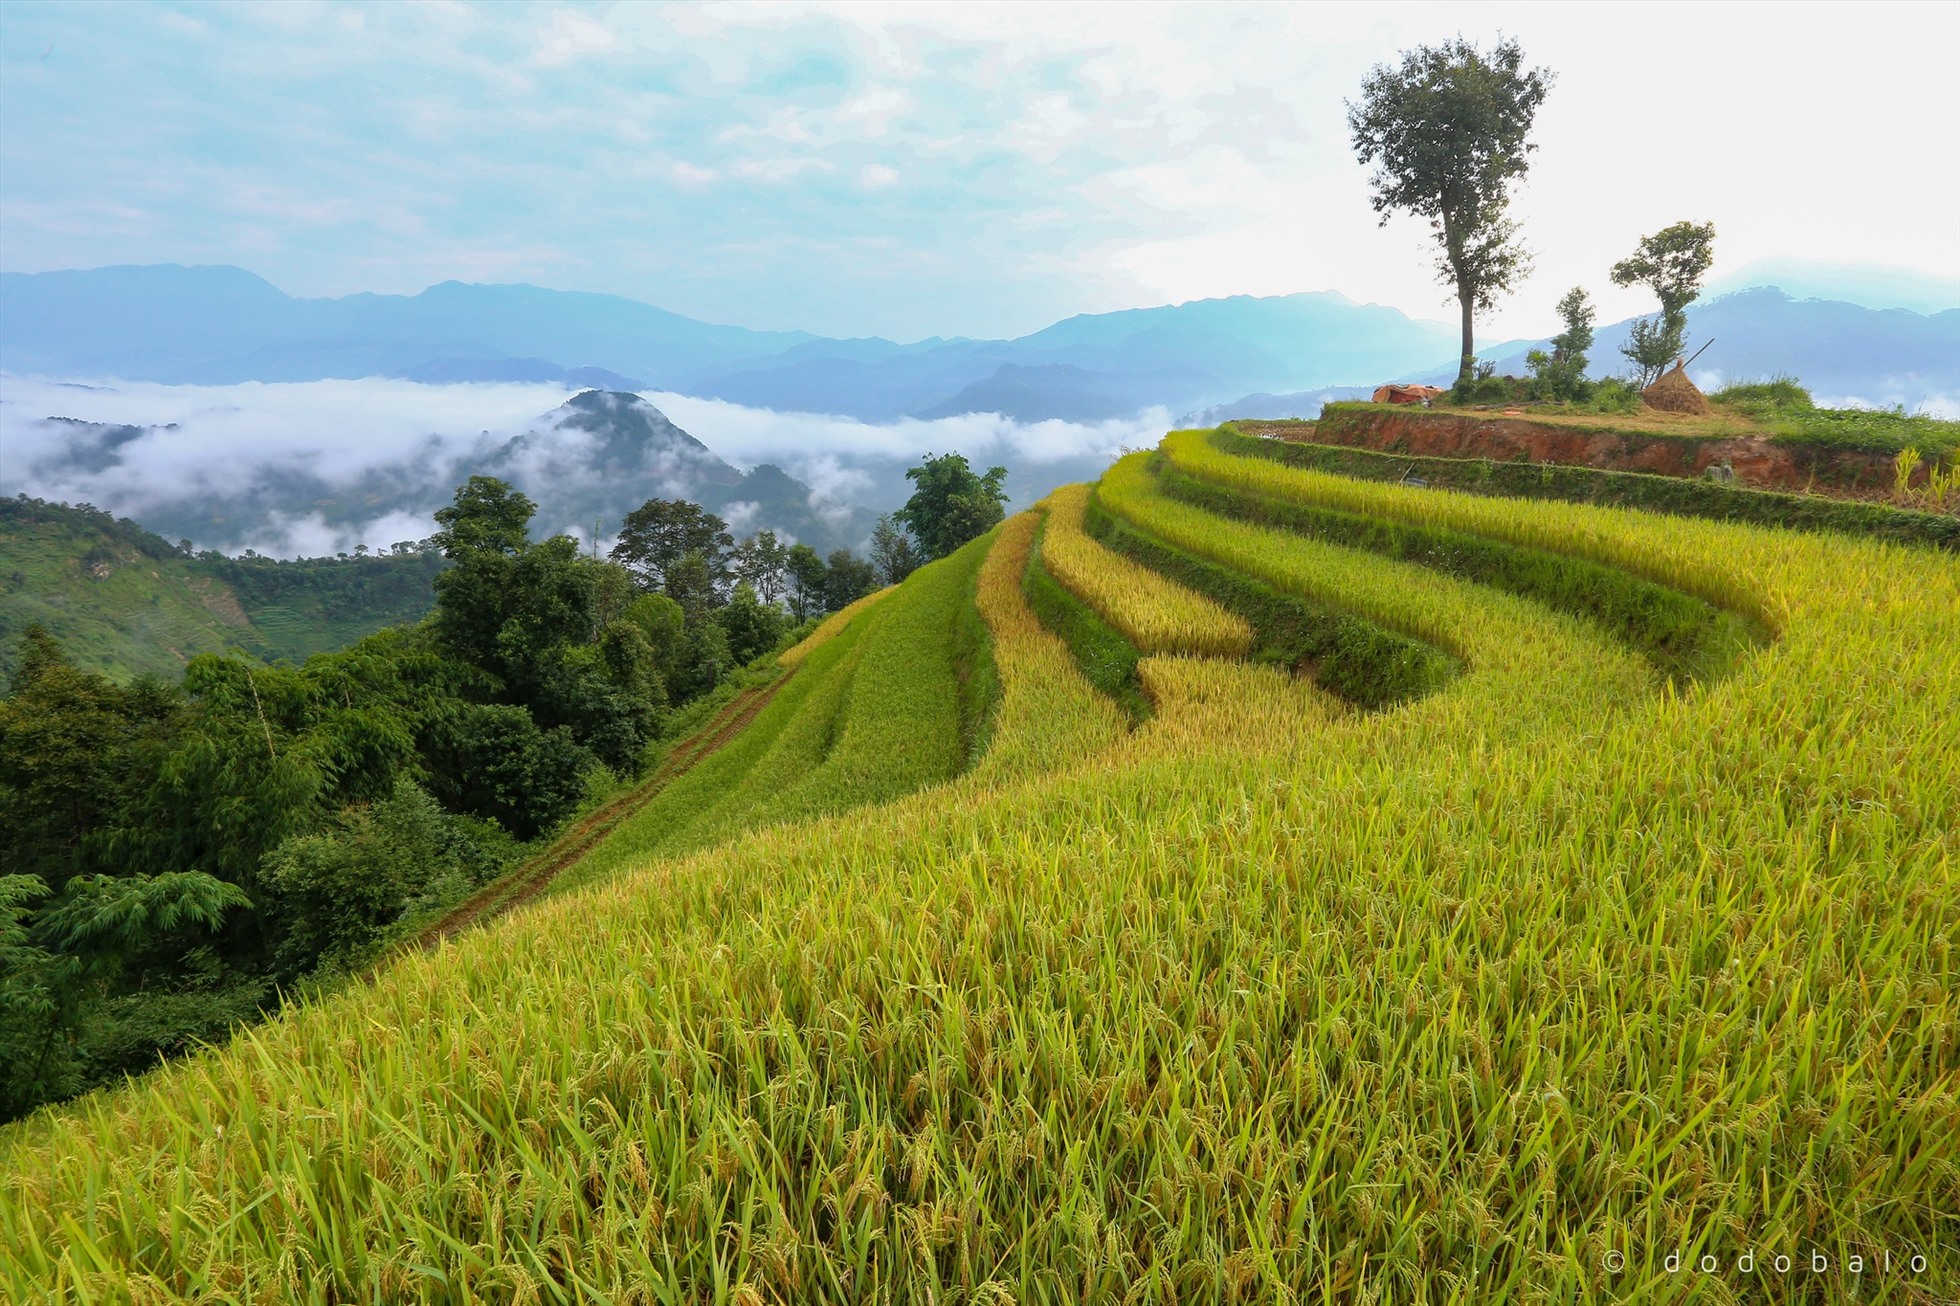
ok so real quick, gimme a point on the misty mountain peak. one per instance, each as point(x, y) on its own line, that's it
point(615, 406)
point(621, 437)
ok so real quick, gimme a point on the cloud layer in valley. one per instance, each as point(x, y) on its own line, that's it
point(846, 460)
point(222, 465)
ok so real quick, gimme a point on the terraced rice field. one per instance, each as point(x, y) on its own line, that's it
point(1155, 614)
point(1541, 899)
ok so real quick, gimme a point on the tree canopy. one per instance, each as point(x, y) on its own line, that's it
point(487, 516)
point(806, 572)
point(661, 532)
point(760, 560)
point(1447, 135)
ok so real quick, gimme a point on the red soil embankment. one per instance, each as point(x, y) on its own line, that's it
point(1756, 460)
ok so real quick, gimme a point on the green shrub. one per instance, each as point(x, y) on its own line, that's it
point(1779, 394)
point(500, 765)
point(341, 888)
point(1492, 390)
point(1869, 430)
point(1612, 395)
point(751, 626)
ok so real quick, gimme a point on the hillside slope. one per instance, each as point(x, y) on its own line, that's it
point(124, 602)
point(1549, 890)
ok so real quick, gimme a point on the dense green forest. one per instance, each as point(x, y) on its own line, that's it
point(124, 601)
point(183, 854)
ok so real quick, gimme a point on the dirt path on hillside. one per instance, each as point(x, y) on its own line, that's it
point(568, 849)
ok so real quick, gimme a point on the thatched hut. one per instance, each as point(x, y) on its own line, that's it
point(1675, 393)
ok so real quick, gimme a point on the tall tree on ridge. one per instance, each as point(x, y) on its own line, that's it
point(952, 504)
point(1446, 133)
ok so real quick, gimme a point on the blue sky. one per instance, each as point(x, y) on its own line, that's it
point(960, 169)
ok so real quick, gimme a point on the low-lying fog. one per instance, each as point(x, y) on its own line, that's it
point(221, 464)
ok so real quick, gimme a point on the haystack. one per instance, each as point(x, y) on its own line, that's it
point(1675, 393)
point(1395, 393)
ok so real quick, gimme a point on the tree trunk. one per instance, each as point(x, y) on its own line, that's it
point(1466, 298)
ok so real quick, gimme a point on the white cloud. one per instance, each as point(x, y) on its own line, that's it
point(834, 486)
point(741, 516)
point(875, 108)
point(692, 176)
point(780, 170)
point(571, 36)
point(208, 445)
point(806, 440)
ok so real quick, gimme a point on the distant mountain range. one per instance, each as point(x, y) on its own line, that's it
point(1840, 351)
point(587, 464)
point(220, 325)
point(604, 453)
point(1868, 285)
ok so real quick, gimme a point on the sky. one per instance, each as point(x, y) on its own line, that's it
point(945, 169)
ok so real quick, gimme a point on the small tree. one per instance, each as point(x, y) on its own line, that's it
point(1446, 132)
point(847, 578)
point(1672, 263)
point(760, 560)
point(499, 764)
point(704, 659)
point(892, 551)
point(806, 578)
point(1560, 373)
point(752, 626)
point(694, 580)
point(662, 622)
point(952, 503)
